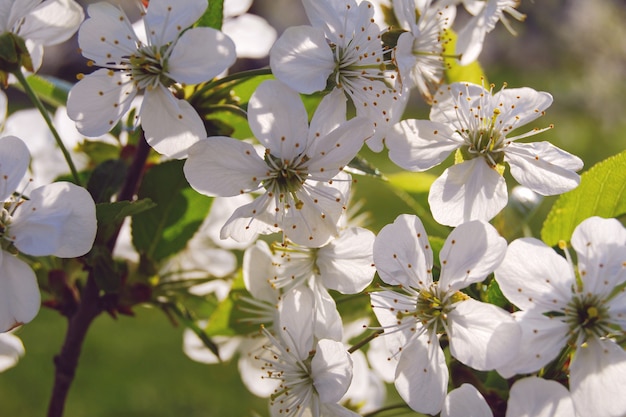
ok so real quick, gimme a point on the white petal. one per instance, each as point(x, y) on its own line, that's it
point(171, 125)
point(473, 337)
point(543, 338)
point(11, 350)
point(3, 107)
point(471, 190)
point(328, 323)
point(166, 19)
point(59, 219)
point(532, 276)
point(221, 166)
point(346, 263)
point(302, 59)
point(257, 270)
point(107, 36)
point(329, 115)
point(19, 293)
point(253, 373)
point(331, 370)
point(536, 397)
point(402, 253)
point(14, 160)
point(601, 248)
point(98, 101)
point(451, 101)
point(253, 36)
point(470, 41)
point(330, 153)
point(336, 410)
point(52, 22)
point(249, 220)
point(465, 401)
point(221, 210)
point(236, 7)
point(418, 145)
point(471, 252)
point(543, 167)
point(296, 321)
point(199, 55)
point(399, 328)
point(422, 376)
point(278, 119)
point(366, 389)
point(598, 378)
point(520, 105)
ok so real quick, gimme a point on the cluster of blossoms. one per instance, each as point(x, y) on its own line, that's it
point(293, 178)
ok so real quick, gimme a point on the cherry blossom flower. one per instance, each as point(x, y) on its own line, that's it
point(342, 50)
point(536, 397)
point(314, 374)
point(414, 319)
point(581, 308)
point(465, 401)
point(57, 219)
point(129, 66)
point(305, 190)
point(11, 350)
point(469, 118)
point(419, 51)
point(40, 23)
point(345, 264)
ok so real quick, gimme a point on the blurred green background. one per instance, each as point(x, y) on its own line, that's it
point(134, 366)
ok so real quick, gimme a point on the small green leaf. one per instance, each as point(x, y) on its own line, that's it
point(104, 269)
point(213, 16)
point(229, 319)
point(166, 229)
point(111, 215)
point(456, 72)
point(602, 192)
point(494, 295)
point(99, 152)
point(106, 180)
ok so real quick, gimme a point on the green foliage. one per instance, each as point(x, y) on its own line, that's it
point(455, 72)
point(179, 212)
point(99, 152)
point(50, 90)
point(493, 295)
point(106, 180)
point(213, 17)
point(602, 192)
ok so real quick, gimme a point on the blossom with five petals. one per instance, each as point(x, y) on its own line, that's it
point(170, 54)
point(414, 319)
point(582, 308)
point(468, 118)
point(305, 189)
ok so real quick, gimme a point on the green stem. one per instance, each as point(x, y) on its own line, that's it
point(44, 112)
point(235, 77)
point(388, 408)
point(365, 341)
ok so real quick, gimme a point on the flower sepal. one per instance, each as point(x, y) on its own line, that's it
point(13, 56)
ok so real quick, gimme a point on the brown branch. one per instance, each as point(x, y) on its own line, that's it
point(90, 305)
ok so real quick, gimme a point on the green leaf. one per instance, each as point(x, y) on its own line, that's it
point(493, 295)
point(602, 192)
point(104, 269)
point(111, 215)
point(213, 16)
point(50, 90)
point(166, 229)
point(228, 319)
point(99, 152)
point(455, 72)
point(106, 180)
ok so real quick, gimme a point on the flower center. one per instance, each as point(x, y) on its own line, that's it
point(484, 139)
point(588, 316)
point(284, 176)
point(433, 305)
point(148, 67)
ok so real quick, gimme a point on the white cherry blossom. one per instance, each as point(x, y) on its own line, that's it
point(468, 118)
point(414, 317)
point(300, 174)
point(562, 306)
point(169, 55)
point(341, 50)
point(419, 51)
point(57, 219)
point(252, 34)
point(537, 397)
point(314, 374)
